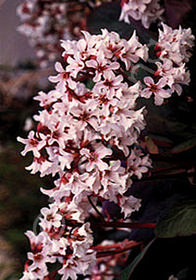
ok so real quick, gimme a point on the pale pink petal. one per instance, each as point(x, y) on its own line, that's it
point(91, 63)
point(162, 82)
point(158, 100)
point(146, 93)
point(59, 67)
point(81, 45)
point(148, 81)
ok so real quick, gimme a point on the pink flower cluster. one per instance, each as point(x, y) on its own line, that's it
point(87, 135)
point(148, 11)
point(59, 243)
point(174, 50)
point(45, 23)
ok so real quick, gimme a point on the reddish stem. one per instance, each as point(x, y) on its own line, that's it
point(114, 246)
point(105, 274)
point(103, 251)
point(126, 225)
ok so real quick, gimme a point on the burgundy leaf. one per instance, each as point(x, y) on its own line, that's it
point(176, 11)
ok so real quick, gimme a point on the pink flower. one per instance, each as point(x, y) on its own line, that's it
point(156, 89)
point(46, 100)
point(59, 131)
point(175, 75)
point(113, 181)
point(32, 144)
point(33, 274)
point(51, 217)
point(110, 84)
point(95, 157)
point(40, 164)
point(147, 11)
point(63, 78)
point(129, 205)
point(85, 114)
point(132, 51)
point(137, 163)
point(101, 65)
point(39, 256)
point(175, 44)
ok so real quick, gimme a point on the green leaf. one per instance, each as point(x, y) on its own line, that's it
point(179, 220)
point(90, 84)
point(127, 272)
point(183, 274)
point(185, 146)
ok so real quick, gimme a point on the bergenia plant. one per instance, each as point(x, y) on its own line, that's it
point(88, 139)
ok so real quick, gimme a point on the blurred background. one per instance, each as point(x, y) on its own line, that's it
point(20, 198)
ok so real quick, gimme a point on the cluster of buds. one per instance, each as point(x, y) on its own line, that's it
point(87, 133)
point(45, 23)
point(148, 11)
point(173, 49)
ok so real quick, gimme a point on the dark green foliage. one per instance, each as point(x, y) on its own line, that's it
point(126, 273)
point(166, 257)
point(179, 220)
